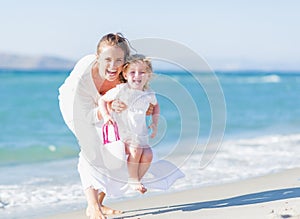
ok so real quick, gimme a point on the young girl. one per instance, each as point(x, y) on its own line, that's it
point(132, 121)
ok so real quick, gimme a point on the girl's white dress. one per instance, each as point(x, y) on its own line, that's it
point(132, 121)
point(78, 101)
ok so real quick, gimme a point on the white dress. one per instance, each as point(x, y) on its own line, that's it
point(132, 121)
point(78, 101)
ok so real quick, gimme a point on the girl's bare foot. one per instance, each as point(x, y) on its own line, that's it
point(137, 185)
point(141, 188)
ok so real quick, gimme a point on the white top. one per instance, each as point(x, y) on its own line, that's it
point(132, 121)
point(78, 98)
point(68, 89)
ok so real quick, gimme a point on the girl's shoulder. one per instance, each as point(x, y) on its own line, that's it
point(151, 96)
point(119, 89)
point(121, 86)
point(149, 91)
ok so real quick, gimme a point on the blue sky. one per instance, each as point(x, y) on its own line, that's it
point(260, 34)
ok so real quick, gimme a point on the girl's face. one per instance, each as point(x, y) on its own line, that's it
point(110, 62)
point(137, 75)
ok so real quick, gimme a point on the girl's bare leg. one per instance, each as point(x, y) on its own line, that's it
point(93, 210)
point(106, 210)
point(133, 164)
point(145, 162)
point(134, 161)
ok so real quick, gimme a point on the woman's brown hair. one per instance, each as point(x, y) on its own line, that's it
point(114, 39)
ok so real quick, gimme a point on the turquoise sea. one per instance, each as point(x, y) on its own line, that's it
point(38, 154)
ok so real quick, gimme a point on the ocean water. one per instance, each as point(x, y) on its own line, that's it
point(38, 154)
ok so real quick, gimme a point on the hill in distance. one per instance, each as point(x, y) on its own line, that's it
point(26, 62)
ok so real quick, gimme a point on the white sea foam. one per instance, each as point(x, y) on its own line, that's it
point(37, 189)
point(271, 79)
point(244, 158)
point(255, 79)
point(57, 184)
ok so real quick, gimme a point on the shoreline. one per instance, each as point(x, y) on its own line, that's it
point(272, 196)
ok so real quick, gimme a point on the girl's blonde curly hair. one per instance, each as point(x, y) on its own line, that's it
point(139, 58)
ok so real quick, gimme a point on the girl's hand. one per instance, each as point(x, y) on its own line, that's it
point(118, 106)
point(153, 127)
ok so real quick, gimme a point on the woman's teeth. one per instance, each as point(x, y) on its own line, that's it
point(111, 72)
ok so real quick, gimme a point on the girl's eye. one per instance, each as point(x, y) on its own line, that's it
point(133, 73)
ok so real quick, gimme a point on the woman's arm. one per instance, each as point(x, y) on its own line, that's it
point(103, 111)
point(155, 118)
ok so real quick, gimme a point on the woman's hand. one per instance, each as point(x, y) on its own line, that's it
point(117, 106)
point(150, 110)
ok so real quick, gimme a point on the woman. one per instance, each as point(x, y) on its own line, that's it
point(92, 77)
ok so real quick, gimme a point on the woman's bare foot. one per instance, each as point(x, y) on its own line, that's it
point(109, 211)
point(94, 213)
point(106, 210)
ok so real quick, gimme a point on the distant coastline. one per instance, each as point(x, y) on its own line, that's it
point(26, 62)
point(19, 62)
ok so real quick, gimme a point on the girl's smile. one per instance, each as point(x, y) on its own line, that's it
point(137, 75)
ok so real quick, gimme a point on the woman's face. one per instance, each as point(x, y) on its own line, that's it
point(110, 61)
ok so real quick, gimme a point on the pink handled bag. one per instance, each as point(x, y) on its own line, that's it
point(114, 156)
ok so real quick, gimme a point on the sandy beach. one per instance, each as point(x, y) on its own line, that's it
point(273, 196)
